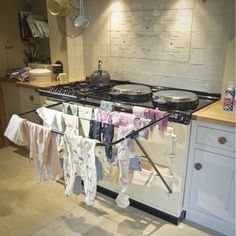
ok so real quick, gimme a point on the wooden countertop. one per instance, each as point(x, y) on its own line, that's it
point(214, 113)
point(30, 84)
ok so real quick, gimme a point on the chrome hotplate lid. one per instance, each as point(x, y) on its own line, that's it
point(131, 89)
point(174, 96)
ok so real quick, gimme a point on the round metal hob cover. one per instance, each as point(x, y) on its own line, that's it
point(131, 92)
point(176, 99)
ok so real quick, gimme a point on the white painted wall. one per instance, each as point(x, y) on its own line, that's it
point(177, 43)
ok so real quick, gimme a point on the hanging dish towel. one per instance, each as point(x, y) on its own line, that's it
point(15, 131)
point(51, 118)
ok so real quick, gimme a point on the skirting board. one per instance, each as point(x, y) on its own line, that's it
point(153, 211)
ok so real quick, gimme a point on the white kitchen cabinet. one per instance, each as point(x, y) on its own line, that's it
point(18, 100)
point(29, 100)
point(11, 99)
point(210, 185)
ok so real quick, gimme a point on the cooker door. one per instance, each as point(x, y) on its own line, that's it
point(47, 101)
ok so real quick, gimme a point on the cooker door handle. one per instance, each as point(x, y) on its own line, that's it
point(173, 145)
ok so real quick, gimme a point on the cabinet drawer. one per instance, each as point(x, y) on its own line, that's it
point(216, 138)
point(29, 96)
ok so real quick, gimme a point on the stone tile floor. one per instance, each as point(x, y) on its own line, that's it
point(42, 209)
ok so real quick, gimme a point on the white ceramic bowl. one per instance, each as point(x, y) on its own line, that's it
point(40, 76)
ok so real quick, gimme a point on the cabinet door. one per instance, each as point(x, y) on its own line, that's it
point(11, 99)
point(212, 188)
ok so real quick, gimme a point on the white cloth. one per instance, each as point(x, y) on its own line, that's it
point(143, 177)
point(70, 109)
point(139, 111)
point(71, 161)
point(15, 130)
point(51, 118)
point(71, 124)
point(85, 115)
point(80, 158)
point(74, 109)
point(122, 199)
point(43, 151)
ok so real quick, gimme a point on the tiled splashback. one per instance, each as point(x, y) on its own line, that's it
point(177, 43)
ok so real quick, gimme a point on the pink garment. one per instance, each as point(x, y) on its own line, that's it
point(123, 119)
point(139, 111)
point(126, 124)
point(155, 114)
point(102, 116)
point(43, 151)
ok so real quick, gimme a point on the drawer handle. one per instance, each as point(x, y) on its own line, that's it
point(198, 166)
point(222, 140)
point(31, 98)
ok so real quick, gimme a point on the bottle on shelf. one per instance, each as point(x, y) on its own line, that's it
point(229, 97)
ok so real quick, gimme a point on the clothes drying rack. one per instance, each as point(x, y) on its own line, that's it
point(133, 135)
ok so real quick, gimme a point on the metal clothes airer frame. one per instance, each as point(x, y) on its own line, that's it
point(133, 135)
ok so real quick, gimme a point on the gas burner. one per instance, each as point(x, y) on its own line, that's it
point(84, 90)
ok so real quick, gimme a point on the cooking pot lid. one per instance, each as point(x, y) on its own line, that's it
point(131, 89)
point(174, 96)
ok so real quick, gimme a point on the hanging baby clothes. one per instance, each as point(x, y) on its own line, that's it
point(15, 131)
point(70, 109)
point(122, 199)
point(152, 114)
point(71, 124)
point(106, 105)
point(110, 170)
point(85, 115)
point(155, 114)
point(43, 152)
point(81, 159)
point(70, 162)
point(53, 119)
point(102, 129)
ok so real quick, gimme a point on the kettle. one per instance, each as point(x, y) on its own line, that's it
point(100, 78)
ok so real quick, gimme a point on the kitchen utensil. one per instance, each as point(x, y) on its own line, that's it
point(131, 92)
point(175, 99)
point(58, 7)
point(81, 20)
point(100, 78)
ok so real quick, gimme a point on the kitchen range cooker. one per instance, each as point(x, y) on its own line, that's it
point(125, 95)
point(168, 150)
